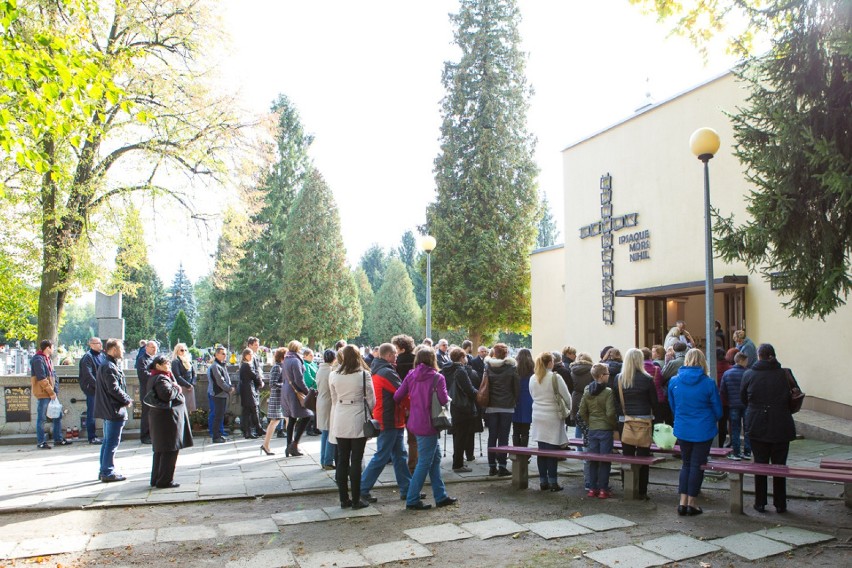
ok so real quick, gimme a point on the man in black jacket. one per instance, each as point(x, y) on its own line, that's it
point(144, 376)
point(89, 365)
point(112, 405)
point(441, 354)
point(478, 362)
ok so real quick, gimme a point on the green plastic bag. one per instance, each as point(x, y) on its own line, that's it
point(663, 436)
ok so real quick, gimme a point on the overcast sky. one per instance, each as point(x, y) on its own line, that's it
point(366, 78)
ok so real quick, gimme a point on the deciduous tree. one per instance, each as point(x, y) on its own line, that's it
point(485, 212)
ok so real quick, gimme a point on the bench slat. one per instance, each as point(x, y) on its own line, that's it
point(715, 452)
point(774, 470)
point(836, 464)
point(613, 458)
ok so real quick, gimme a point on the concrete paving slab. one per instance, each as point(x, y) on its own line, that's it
point(250, 527)
point(299, 517)
point(395, 552)
point(333, 559)
point(493, 527)
point(186, 533)
point(6, 548)
point(678, 546)
point(269, 558)
point(603, 522)
point(51, 545)
point(335, 513)
point(313, 483)
point(118, 539)
point(794, 536)
point(557, 529)
point(438, 533)
point(627, 557)
point(751, 546)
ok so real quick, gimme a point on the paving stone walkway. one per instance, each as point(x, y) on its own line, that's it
point(654, 552)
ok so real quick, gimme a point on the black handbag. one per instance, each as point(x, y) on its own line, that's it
point(372, 428)
point(441, 419)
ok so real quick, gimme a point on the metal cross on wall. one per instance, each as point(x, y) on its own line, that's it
point(605, 228)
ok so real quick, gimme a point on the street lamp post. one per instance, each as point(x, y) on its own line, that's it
point(704, 143)
point(427, 243)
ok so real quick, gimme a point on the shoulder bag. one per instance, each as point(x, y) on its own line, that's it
point(372, 428)
point(440, 412)
point(482, 395)
point(308, 401)
point(637, 431)
point(564, 411)
point(151, 399)
point(797, 397)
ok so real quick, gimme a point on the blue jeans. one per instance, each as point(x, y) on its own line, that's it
point(600, 442)
point(694, 455)
point(586, 475)
point(547, 466)
point(91, 432)
point(429, 463)
point(112, 437)
point(327, 449)
point(41, 417)
point(499, 424)
point(737, 415)
point(389, 445)
point(211, 418)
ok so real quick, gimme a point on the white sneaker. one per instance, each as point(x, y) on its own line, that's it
point(734, 457)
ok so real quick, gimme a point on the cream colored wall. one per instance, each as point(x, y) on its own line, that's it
point(548, 300)
point(654, 174)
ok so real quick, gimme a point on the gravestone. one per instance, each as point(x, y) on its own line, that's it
point(108, 313)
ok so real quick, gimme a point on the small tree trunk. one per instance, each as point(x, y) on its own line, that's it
point(475, 338)
point(50, 305)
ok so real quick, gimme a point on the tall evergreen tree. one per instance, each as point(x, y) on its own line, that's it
point(395, 309)
point(181, 298)
point(321, 297)
point(801, 209)
point(547, 231)
point(256, 291)
point(181, 331)
point(144, 317)
point(374, 262)
point(410, 255)
point(365, 299)
point(486, 208)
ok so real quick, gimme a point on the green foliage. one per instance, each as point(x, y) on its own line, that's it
point(394, 309)
point(365, 299)
point(131, 255)
point(18, 301)
point(374, 262)
point(181, 298)
point(181, 332)
point(793, 136)
point(484, 218)
point(256, 289)
point(322, 299)
point(547, 231)
point(515, 339)
point(143, 308)
point(78, 324)
point(410, 256)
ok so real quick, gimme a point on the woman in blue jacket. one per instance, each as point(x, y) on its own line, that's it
point(697, 408)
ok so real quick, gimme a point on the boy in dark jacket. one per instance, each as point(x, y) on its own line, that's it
point(729, 389)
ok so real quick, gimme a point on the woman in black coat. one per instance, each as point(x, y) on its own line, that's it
point(769, 424)
point(463, 407)
point(168, 422)
point(250, 385)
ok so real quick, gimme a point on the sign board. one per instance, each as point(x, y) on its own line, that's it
point(18, 401)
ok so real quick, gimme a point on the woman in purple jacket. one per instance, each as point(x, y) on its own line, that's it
point(418, 387)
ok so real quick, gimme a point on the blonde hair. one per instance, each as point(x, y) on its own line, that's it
point(294, 346)
point(184, 359)
point(541, 364)
point(634, 362)
point(696, 358)
point(583, 357)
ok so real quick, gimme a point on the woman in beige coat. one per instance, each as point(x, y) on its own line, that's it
point(350, 385)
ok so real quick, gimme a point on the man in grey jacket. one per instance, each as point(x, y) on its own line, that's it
point(219, 387)
point(112, 405)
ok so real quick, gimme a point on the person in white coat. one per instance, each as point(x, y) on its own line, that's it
point(350, 385)
point(328, 448)
point(548, 424)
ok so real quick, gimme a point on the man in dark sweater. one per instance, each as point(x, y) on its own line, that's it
point(89, 365)
point(144, 376)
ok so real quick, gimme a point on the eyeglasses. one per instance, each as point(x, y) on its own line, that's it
point(181, 350)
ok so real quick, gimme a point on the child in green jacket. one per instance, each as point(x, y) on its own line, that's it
point(597, 408)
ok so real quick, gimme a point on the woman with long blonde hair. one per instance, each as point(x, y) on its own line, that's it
point(184, 373)
point(548, 424)
point(636, 388)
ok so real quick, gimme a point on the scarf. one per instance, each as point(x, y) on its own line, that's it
point(47, 362)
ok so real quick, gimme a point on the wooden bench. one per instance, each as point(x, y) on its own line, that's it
point(842, 465)
point(714, 452)
point(521, 463)
point(739, 469)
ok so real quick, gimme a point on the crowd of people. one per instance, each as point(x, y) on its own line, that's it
point(389, 392)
